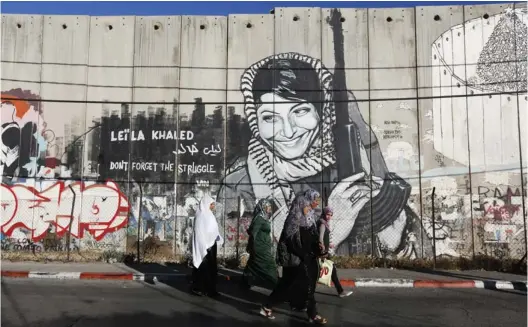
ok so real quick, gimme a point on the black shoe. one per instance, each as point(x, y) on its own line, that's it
point(196, 292)
point(244, 284)
point(214, 295)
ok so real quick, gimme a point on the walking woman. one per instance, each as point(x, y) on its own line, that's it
point(324, 242)
point(297, 248)
point(298, 294)
point(206, 236)
point(261, 267)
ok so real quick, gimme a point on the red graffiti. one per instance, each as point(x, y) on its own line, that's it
point(232, 230)
point(95, 209)
point(98, 208)
point(323, 272)
point(501, 207)
point(502, 212)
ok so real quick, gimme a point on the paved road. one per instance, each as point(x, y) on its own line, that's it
point(79, 303)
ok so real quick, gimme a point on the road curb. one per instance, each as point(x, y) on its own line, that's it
point(356, 283)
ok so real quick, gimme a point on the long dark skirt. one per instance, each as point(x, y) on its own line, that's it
point(297, 285)
point(297, 293)
point(282, 290)
point(205, 277)
point(311, 269)
point(302, 293)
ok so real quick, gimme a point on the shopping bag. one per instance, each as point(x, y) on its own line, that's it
point(325, 273)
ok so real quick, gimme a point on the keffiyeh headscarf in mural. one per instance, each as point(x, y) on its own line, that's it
point(260, 209)
point(309, 220)
point(296, 216)
point(267, 168)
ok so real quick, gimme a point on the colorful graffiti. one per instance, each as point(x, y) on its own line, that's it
point(97, 208)
point(32, 201)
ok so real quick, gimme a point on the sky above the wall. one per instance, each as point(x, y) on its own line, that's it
point(153, 8)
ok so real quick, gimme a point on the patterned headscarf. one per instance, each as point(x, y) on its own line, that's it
point(272, 168)
point(296, 215)
point(259, 209)
point(311, 195)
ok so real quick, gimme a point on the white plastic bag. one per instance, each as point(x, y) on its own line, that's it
point(325, 273)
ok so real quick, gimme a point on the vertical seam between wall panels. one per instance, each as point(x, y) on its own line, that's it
point(451, 89)
point(177, 120)
point(373, 239)
point(130, 124)
point(174, 118)
point(482, 105)
point(221, 186)
point(468, 135)
point(418, 117)
point(321, 134)
point(85, 115)
point(86, 96)
point(273, 143)
point(34, 177)
point(517, 83)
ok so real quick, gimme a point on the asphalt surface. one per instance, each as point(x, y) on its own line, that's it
point(84, 303)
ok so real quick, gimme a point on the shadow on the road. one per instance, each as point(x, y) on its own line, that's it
point(9, 296)
point(183, 319)
point(233, 294)
point(174, 268)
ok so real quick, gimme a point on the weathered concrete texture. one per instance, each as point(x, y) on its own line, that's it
point(116, 126)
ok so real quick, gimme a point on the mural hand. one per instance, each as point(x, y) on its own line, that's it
point(377, 182)
point(347, 199)
point(345, 183)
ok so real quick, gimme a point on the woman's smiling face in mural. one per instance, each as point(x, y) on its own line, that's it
point(288, 126)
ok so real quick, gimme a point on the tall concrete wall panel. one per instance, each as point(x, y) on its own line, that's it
point(496, 179)
point(393, 113)
point(251, 38)
point(21, 67)
point(522, 100)
point(442, 99)
point(297, 33)
point(203, 83)
point(156, 83)
point(351, 78)
point(119, 126)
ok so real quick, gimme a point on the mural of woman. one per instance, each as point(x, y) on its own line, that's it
point(291, 114)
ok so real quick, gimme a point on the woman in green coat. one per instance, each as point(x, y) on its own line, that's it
point(261, 267)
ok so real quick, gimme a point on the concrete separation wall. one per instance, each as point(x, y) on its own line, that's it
point(113, 128)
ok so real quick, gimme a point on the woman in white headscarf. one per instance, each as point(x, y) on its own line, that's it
point(206, 236)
